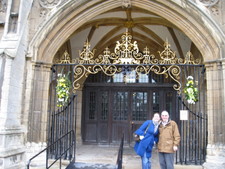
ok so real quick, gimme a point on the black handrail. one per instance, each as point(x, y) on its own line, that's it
point(182, 101)
point(72, 133)
point(119, 161)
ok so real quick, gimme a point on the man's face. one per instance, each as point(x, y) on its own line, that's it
point(165, 116)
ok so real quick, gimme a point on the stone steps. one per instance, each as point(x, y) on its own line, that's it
point(188, 167)
point(90, 166)
point(100, 157)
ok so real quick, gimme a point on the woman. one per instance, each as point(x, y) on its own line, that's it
point(148, 134)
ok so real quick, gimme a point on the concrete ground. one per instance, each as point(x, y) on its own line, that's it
point(108, 155)
point(105, 157)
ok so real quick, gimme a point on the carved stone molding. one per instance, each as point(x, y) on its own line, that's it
point(49, 3)
point(126, 3)
point(212, 5)
point(3, 6)
point(209, 3)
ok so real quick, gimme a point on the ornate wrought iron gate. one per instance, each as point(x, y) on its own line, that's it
point(61, 123)
point(127, 58)
point(193, 131)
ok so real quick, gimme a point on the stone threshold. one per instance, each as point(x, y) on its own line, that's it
point(188, 167)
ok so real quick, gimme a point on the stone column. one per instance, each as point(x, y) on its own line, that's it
point(79, 116)
point(11, 132)
point(215, 108)
point(36, 114)
point(13, 47)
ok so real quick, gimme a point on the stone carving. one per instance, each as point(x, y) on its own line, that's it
point(3, 6)
point(43, 12)
point(49, 3)
point(126, 3)
point(209, 3)
point(212, 5)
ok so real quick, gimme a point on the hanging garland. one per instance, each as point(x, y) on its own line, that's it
point(190, 91)
point(63, 89)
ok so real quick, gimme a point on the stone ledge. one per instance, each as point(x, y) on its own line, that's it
point(11, 152)
point(15, 166)
point(11, 131)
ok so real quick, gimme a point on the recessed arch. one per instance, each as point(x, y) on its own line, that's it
point(57, 29)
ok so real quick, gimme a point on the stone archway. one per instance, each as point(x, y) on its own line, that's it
point(46, 42)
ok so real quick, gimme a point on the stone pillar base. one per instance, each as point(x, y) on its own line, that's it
point(215, 158)
point(12, 150)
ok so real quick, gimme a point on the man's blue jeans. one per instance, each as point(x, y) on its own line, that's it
point(146, 163)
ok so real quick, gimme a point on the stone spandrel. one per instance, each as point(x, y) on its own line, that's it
point(214, 8)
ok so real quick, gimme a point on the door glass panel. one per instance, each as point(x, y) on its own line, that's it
point(169, 99)
point(139, 106)
point(104, 105)
point(118, 77)
point(131, 77)
point(92, 106)
point(120, 106)
point(143, 78)
point(155, 101)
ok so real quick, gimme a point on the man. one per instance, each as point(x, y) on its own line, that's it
point(169, 139)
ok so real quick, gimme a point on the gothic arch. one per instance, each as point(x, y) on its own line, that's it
point(56, 30)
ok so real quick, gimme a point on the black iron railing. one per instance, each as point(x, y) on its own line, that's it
point(194, 137)
point(70, 148)
point(61, 122)
point(119, 161)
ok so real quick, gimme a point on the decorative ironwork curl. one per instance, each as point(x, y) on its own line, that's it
point(79, 72)
point(174, 73)
point(126, 55)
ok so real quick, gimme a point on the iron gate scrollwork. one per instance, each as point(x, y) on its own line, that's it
point(127, 57)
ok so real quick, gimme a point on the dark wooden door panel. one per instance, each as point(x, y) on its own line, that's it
point(118, 129)
point(103, 133)
point(103, 116)
point(91, 133)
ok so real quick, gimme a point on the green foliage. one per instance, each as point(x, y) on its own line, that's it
point(63, 89)
point(190, 91)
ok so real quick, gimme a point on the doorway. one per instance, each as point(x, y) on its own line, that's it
point(111, 109)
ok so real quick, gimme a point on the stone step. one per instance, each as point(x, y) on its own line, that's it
point(188, 167)
point(90, 166)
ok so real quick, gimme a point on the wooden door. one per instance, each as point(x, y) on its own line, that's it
point(110, 112)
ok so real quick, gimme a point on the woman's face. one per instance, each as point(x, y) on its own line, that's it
point(156, 117)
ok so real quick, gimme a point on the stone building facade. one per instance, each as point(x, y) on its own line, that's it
point(35, 32)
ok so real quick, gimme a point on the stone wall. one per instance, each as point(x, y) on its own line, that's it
point(13, 46)
point(34, 26)
point(216, 115)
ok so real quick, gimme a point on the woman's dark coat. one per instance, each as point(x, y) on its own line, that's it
point(146, 144)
